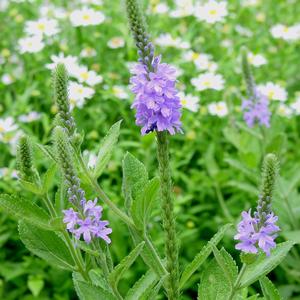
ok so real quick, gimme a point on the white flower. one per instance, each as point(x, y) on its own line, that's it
point(48, 10)
point(244, 31)
point(32, 116)
point(31, 44)
point(208, 81)
point(273, 91)
point(7, 125)
point(189, 101)
point(70, 62)
point(256, 60)
point(116, 42)
point(7, 79)
point(92, 161)
point(203, 62)
point(166, 40)
point(78, 94)
point(6, 172)
point(82, 74)
point(86, 17)
point(284, 111)
point(287, 33)
point(212, 11)
point(183, 8)
point(88, 52)
point(42, 27)
point(120, 92)
point(160, 8)
point(296, 106)
point(218, 109)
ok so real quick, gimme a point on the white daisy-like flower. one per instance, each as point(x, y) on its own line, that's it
point(31, 44)
point(189, 101)
point(86, 17)
point(7, 125)
point(120, 92)
point(211, 12)
point(7, 79)
point(88, 52)
point(78, 94)
point(166, 40)
point(273, 91)
point(284, 110)
point(256, 60)
point(70, 62)
point(183, 8)
point(285, 32)
point(90, 77)
point(116, 42)
point(42, 27)
point(208, 81)
point(296, 106)
point(30, 117)
point(219, 109)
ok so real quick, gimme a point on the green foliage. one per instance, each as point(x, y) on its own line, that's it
point(268, 289)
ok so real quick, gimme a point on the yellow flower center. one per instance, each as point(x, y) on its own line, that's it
point(86, 17)
point(207, 83)
point(271, 94)
point(195, 56)
point(285, 29)
point(1, 128)
point(84, 75)
point(183, 101)
point(41, 27)
point(213, 12)
point(80, 90)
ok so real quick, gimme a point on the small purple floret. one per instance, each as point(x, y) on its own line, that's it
point(254, 234)
point(257, 110)
point(157, 104)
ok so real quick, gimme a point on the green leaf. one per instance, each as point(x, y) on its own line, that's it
point(202, 256)
point(141, 286)
point(98, 279)
point(106, 148)
point(124, 265)
point(141, 208)
point(48, 178)
point(87, 291)
point(135, 178)
point(47, 245)
point(227, 265)
point(265, 264)
point(35, 285)
point(47, 151)
point(214, 281)
point(268, 289)
point(25, 210)
point(31, 187)
point(292, 236)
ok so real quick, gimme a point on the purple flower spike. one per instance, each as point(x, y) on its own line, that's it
point(157, 103)
point(257, 110)
point(254, 233)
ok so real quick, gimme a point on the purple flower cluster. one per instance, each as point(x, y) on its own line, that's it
point(254, 233)
point(256, 109)
point(157, 103)
point(87, 223)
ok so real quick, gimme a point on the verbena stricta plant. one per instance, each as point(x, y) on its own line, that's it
point(60, 223)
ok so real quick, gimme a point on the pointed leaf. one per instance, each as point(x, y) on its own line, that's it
point(202, 255)
point(47, 151)
point(265, 264)
point(31, 187)
point(48, 178)
point(25, 210)
point(106, 148)
point(47, 245)
point(268, 289)
point(125, 264)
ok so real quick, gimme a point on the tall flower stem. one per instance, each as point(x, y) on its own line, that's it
point(171, 244)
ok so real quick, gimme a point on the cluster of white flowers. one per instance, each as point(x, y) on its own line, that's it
point(287, 33)
point(78, 93)
point(116, 42)
point(86, 17)
point(166, 40)
point(256, 60)
point(273, 91)
point(202, 61)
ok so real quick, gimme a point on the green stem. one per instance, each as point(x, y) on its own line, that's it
point(237, 282)
point(169, 225)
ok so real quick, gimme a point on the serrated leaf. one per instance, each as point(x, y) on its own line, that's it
point(152, 292)
point(88, 291)
point(47, 151)
point(265, 264)
point(125, 264)
point(48, 178)
point(141, 208)
point(141, 286)
point(31, 187)
point(135, 178)
point(106, 148)
point(25, 210)
point(98, 279)
point(47, 245)
point(202, 256)
point(268, 289)
point(228, 265)
point(214, 282)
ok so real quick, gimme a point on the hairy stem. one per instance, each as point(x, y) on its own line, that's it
point(168, 217)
